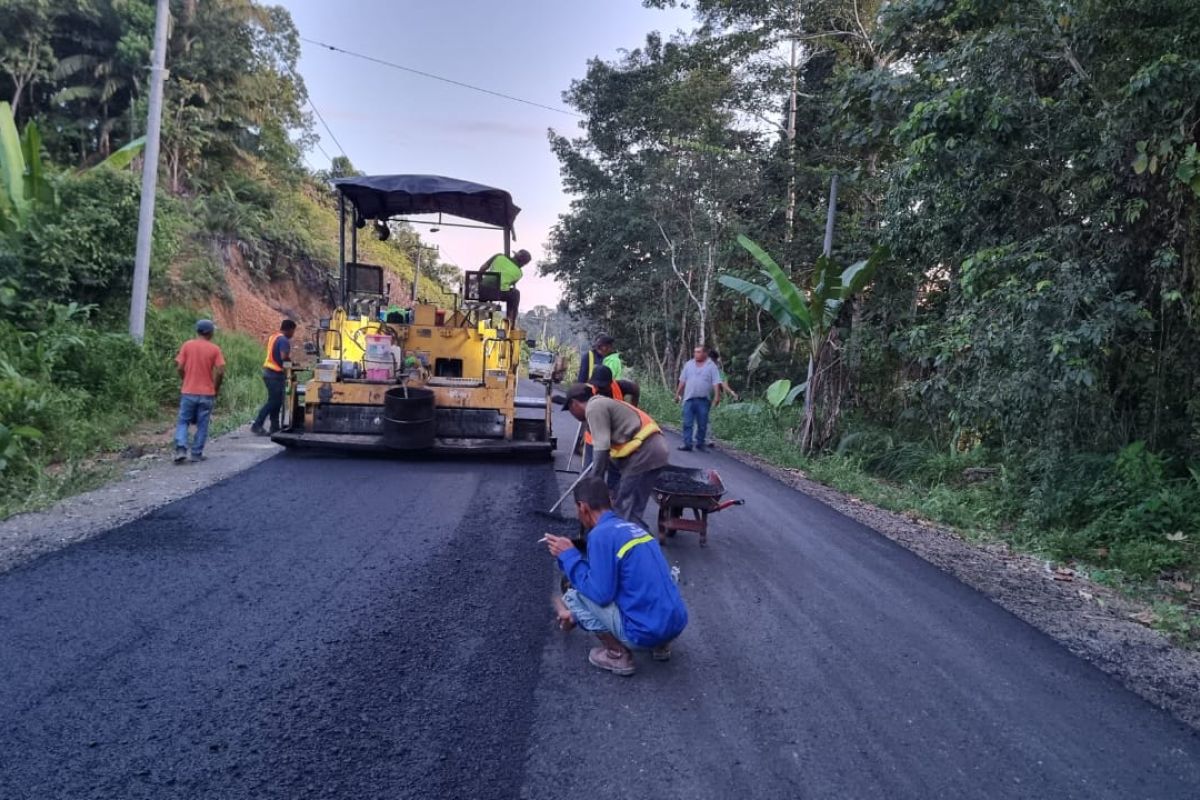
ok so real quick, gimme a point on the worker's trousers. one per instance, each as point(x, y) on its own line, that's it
point(695, 412)
point(194, 409)
point(632, 495)
point(275, 382)
point(613, 478)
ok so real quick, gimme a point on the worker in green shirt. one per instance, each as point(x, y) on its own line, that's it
point(602, 353)
point(613, 362)
point(510, 272)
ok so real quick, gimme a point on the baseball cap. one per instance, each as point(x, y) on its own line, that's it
point(601, 376)
point(578, 392)
point(205, 326)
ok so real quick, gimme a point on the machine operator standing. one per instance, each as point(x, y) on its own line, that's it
point(279, 351)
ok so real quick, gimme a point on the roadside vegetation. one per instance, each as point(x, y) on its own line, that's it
point(1023, 178)
point(233, 183)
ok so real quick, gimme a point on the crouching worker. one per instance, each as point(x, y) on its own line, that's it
point(622, 591)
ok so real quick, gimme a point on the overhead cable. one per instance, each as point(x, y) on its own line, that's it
point(451, 81)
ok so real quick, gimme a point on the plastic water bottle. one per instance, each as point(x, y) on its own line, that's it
point(675, 573)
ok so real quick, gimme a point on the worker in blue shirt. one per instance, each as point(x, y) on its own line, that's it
point(622, 591)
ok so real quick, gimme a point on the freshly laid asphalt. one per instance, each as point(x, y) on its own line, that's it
point(364, 628)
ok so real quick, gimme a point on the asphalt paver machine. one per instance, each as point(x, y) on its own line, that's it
point(421, 378)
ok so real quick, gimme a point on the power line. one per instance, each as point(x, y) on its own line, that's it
point(317, 142)
point(424, 74)
point(313, 106)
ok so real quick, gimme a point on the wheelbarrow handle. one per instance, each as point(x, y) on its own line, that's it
point(724, 504)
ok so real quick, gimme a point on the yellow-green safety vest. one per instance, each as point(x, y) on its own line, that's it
point(510, 273)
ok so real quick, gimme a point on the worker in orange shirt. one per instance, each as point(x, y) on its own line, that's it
point(201, 365)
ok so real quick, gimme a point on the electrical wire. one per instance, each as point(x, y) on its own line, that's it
point(432, 76)
point(328, 158)
point(329, 130)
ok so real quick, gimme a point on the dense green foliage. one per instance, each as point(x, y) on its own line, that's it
point(233, 192)
point(1032, 168)
point(72, 386)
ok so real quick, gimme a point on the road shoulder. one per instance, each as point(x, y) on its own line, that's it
point(149, 483)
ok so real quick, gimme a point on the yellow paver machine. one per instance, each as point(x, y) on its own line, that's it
point(421, 378)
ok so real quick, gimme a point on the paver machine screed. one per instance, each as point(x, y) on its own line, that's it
point(422, 378)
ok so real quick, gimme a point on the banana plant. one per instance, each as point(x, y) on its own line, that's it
point(805, 314)
point(24, 182)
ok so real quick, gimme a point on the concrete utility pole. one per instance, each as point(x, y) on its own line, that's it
point(831, 216)
point(145, 234)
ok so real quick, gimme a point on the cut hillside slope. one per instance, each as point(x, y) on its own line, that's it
point(250, 276)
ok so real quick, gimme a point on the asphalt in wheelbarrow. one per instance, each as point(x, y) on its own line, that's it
point(685, 483)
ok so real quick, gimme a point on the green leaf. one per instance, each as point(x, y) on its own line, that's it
point(796, 391)
point(860, 273)
point(12, 165)
point(826, 288)
point(766, 298)
point(778, 391)
point(122, 158)
point(1140, 163)
point(37, 187)
point(26, 432)
point(792, 297)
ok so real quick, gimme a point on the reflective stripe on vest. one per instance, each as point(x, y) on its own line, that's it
point(270, 363)
point(625, 548)
point(617, 394)
point(648, 429)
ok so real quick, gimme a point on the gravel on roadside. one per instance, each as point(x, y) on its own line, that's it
point(149, 482)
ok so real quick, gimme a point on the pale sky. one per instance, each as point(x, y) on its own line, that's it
point(392, 122)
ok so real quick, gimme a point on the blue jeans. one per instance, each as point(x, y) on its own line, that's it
point(593, 617)
point(695, 411)
point(275, 382)
point(193, 408)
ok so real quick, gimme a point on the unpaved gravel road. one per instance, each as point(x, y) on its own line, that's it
point(349, 628)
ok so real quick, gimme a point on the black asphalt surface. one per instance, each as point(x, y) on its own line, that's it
point(361, 628)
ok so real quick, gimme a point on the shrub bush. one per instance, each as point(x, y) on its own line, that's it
point(79, 386)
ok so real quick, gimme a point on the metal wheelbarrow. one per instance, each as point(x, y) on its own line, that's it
point(679, 489)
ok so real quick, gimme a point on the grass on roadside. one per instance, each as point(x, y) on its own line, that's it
point(86, 390)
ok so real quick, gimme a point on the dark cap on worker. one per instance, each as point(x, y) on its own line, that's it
point(601, 377)
point(205, 326)
point(578, 391)
point(287, 325)
point(604, 339)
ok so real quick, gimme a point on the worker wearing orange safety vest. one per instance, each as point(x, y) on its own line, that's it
point(279, 350)
point(628, 439)
point(602, 383)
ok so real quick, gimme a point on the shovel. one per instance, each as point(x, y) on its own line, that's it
point(586, 471)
